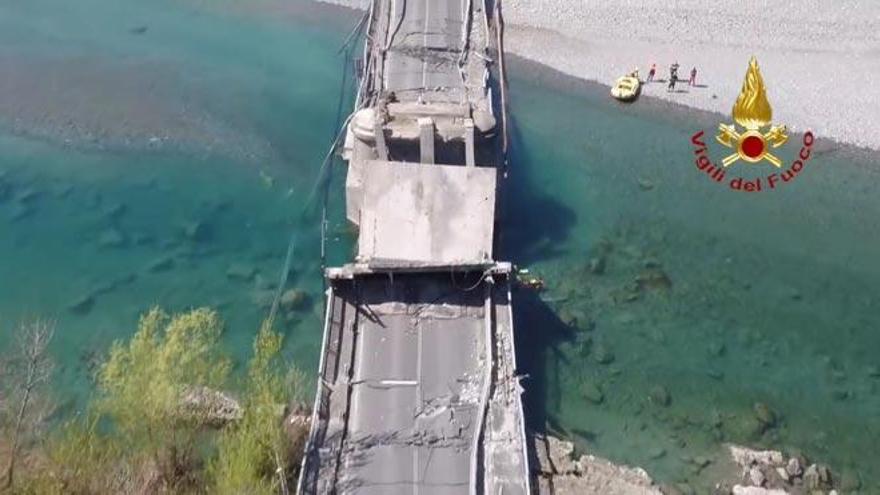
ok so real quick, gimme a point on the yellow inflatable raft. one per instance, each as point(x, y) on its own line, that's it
point(626, 88)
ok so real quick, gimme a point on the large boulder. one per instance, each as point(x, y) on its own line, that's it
point(295, 300)
point(241, 272)
point(210, 406)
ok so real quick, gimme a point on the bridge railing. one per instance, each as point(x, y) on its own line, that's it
point(309, 475)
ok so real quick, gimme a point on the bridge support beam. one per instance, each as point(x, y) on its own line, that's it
point(469, 159)
point(381, 147)
point(426, 140)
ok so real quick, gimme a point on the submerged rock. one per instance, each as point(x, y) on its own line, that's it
point(567, 318)
point(629, 293)
point(597, 265)
point(82, 304)
point(717, 349)
point(764, 415)
point(660, 395)
point(20, 211)
point(744, 426)
point(62, 190)
point(27, 195)
point(241, 272)
point(263, 298)
point(262, 283)
point(592, 392)
point(125, 279)
point(583, 344)
point(850, 480)
point(142, 239)
point(653, 279)
point(104, 288)
point(5, 190)
point(111, 238)
point(115, 211)
point(197, 231)
point(645, 184)
point(161, 264)
point(715, 374)
point(656, 453)
point(602, 354)
point(295, 300)
point(576, 318)
point(625, 318)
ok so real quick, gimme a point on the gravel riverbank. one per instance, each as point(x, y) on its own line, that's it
point(816, 57)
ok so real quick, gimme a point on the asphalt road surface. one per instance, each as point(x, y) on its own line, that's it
point(425, 45)
point(415, 393)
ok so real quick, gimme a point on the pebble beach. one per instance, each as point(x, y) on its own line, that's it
point(816, 57)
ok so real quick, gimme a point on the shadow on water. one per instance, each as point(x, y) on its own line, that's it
point(533, 227)
point(539, 331)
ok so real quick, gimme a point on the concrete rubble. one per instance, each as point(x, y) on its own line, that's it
point(769, 472)
point(557, 471)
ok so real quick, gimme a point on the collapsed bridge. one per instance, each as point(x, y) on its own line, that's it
point(417, 387)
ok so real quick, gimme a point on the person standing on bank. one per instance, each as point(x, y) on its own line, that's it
point(693, 80)
point(652, 72)
point(673, 76)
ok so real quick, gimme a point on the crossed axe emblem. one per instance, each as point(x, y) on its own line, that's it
point(776, 136)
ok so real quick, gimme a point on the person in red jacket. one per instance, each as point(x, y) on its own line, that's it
point(652, 72)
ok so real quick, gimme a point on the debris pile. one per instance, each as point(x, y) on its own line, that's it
point(557, 471)
point(769, 472)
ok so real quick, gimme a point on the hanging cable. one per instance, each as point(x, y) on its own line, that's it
point(323, 181)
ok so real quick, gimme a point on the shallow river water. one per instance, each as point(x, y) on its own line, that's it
point(161, 153)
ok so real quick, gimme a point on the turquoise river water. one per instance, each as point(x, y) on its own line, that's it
point(153, 152)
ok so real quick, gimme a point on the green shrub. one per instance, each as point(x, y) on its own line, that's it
point(141, 435)
point(253, 455)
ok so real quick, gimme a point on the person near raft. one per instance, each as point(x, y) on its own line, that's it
point(673, 76)
point(652, 72)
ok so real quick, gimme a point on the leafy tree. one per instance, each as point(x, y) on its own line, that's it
point(32, 367)
point(256, 455)
point(143, 383)
point(153, 425)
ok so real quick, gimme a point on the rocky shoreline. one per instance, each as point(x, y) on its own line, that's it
point(556, 470)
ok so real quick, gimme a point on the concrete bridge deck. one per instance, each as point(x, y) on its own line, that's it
point(414, 388)
point(418, 390)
